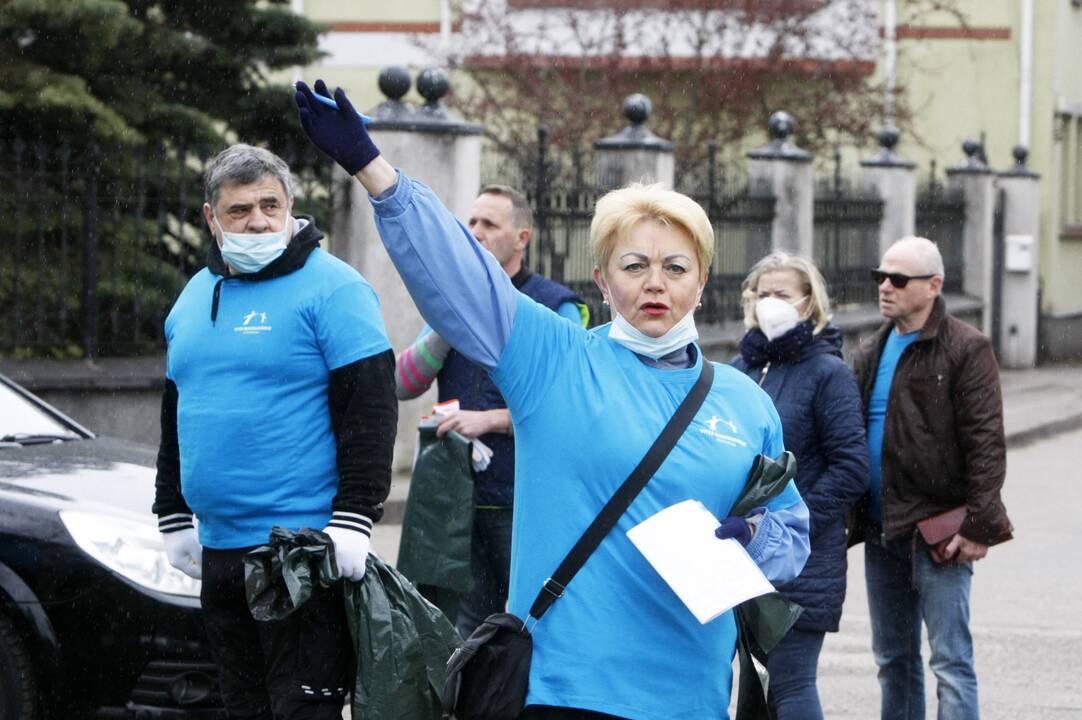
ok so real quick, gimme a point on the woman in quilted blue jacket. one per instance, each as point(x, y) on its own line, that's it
point(794, 353)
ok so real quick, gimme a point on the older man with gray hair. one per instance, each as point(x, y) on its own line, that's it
point(934, 414)
point(279, 410)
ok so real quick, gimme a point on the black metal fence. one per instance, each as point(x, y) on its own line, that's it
point(562, 189)
point(846, 239)
point(847, 246)
point(99, 241)
point(941, 216)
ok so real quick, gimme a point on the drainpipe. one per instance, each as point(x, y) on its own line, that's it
point(298, 9)
point(1026, 73)
point(445, 25)
point(890, 47)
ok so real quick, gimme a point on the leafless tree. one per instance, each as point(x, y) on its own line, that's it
point(714, 69)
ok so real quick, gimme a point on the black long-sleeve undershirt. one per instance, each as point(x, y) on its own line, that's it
point(364, 416)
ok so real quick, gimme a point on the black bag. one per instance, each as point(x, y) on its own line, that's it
point(487, 678)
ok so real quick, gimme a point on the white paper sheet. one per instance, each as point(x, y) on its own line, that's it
point(708, 575)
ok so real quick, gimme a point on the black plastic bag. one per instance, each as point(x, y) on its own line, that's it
point(402, 643)
point(435, 547)
point(400, 640)
point(279, 576)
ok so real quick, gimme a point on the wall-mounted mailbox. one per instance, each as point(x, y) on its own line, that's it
point(1019, 253)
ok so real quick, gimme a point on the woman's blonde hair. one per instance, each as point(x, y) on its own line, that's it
point(619, 211)
point(811, 280)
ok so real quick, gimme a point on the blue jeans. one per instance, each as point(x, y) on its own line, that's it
point(792, 664)
point(490, 568)
point(904, 588)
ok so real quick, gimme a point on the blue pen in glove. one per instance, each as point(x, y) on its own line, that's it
point(329, 102)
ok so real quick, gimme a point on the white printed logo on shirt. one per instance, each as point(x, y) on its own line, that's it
point(253, 323)
point(712, 431)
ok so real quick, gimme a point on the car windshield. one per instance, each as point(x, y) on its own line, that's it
point(21, 419)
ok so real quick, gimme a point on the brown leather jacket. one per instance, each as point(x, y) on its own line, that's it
point(943, 442)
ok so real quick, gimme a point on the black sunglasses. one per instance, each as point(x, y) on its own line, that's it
point(898, 280)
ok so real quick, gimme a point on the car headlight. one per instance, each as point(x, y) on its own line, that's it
point(131, 548)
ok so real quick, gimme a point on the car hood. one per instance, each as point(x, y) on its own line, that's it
point(113, 474)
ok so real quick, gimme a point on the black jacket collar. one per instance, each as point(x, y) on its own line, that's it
point(519, 279)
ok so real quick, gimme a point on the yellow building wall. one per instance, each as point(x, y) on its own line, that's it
point(372, 10)
point(961, 88)
point(1058, 50)
point(361, 81)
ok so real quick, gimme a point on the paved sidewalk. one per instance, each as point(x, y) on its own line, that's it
point(1037, 404)
point(1042, 402)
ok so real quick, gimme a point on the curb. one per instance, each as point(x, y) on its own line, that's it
point(1045, 431)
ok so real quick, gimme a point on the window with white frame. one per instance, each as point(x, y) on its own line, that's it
point(1069, 134)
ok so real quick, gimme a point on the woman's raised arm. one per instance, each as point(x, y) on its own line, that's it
point(460, 289)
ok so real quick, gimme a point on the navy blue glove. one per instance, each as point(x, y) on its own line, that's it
point(340, 133)
point(736, 528)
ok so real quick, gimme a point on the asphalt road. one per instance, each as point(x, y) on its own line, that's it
point(1026, 605)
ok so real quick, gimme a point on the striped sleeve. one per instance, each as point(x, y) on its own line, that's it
point(418, 365)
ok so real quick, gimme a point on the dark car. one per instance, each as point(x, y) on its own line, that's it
point(94, 622)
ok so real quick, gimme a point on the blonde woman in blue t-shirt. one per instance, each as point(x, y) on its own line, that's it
point(586, 405)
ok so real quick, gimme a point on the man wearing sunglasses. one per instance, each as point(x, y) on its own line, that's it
point(934, 416)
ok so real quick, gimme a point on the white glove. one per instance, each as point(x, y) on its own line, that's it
point(184, 551)
point(350, 551)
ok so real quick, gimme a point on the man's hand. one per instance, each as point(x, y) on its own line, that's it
point(961, 550)
point(350, 551)
point(340, 133)
point(184, 551)
point(472, 424)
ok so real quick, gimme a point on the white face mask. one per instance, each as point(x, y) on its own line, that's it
point(251, 252)
point(777, 317)
point(639, 342)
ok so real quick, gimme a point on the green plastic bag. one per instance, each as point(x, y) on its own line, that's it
point(279, 576)
point(766, 480)
point(434, 551)
point(762, 621)
point(402, 643)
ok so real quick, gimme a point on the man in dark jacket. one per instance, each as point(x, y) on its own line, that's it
point(278, 410)
point(932, 400)
point(502, 222)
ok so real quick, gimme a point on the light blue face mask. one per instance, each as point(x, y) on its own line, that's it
point(678, 336)
point(251, 252)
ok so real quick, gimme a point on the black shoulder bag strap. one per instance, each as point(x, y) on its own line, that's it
point(553, 588)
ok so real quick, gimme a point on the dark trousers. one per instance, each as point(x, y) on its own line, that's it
point(792, 664)
point(299, 668)
point(490, 567)
point(544, 712)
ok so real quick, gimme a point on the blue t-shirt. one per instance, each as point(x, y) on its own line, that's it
point(877, 415)
point(581, 426)
point(254, 429)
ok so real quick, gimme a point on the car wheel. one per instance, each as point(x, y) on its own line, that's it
point(18, 693)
